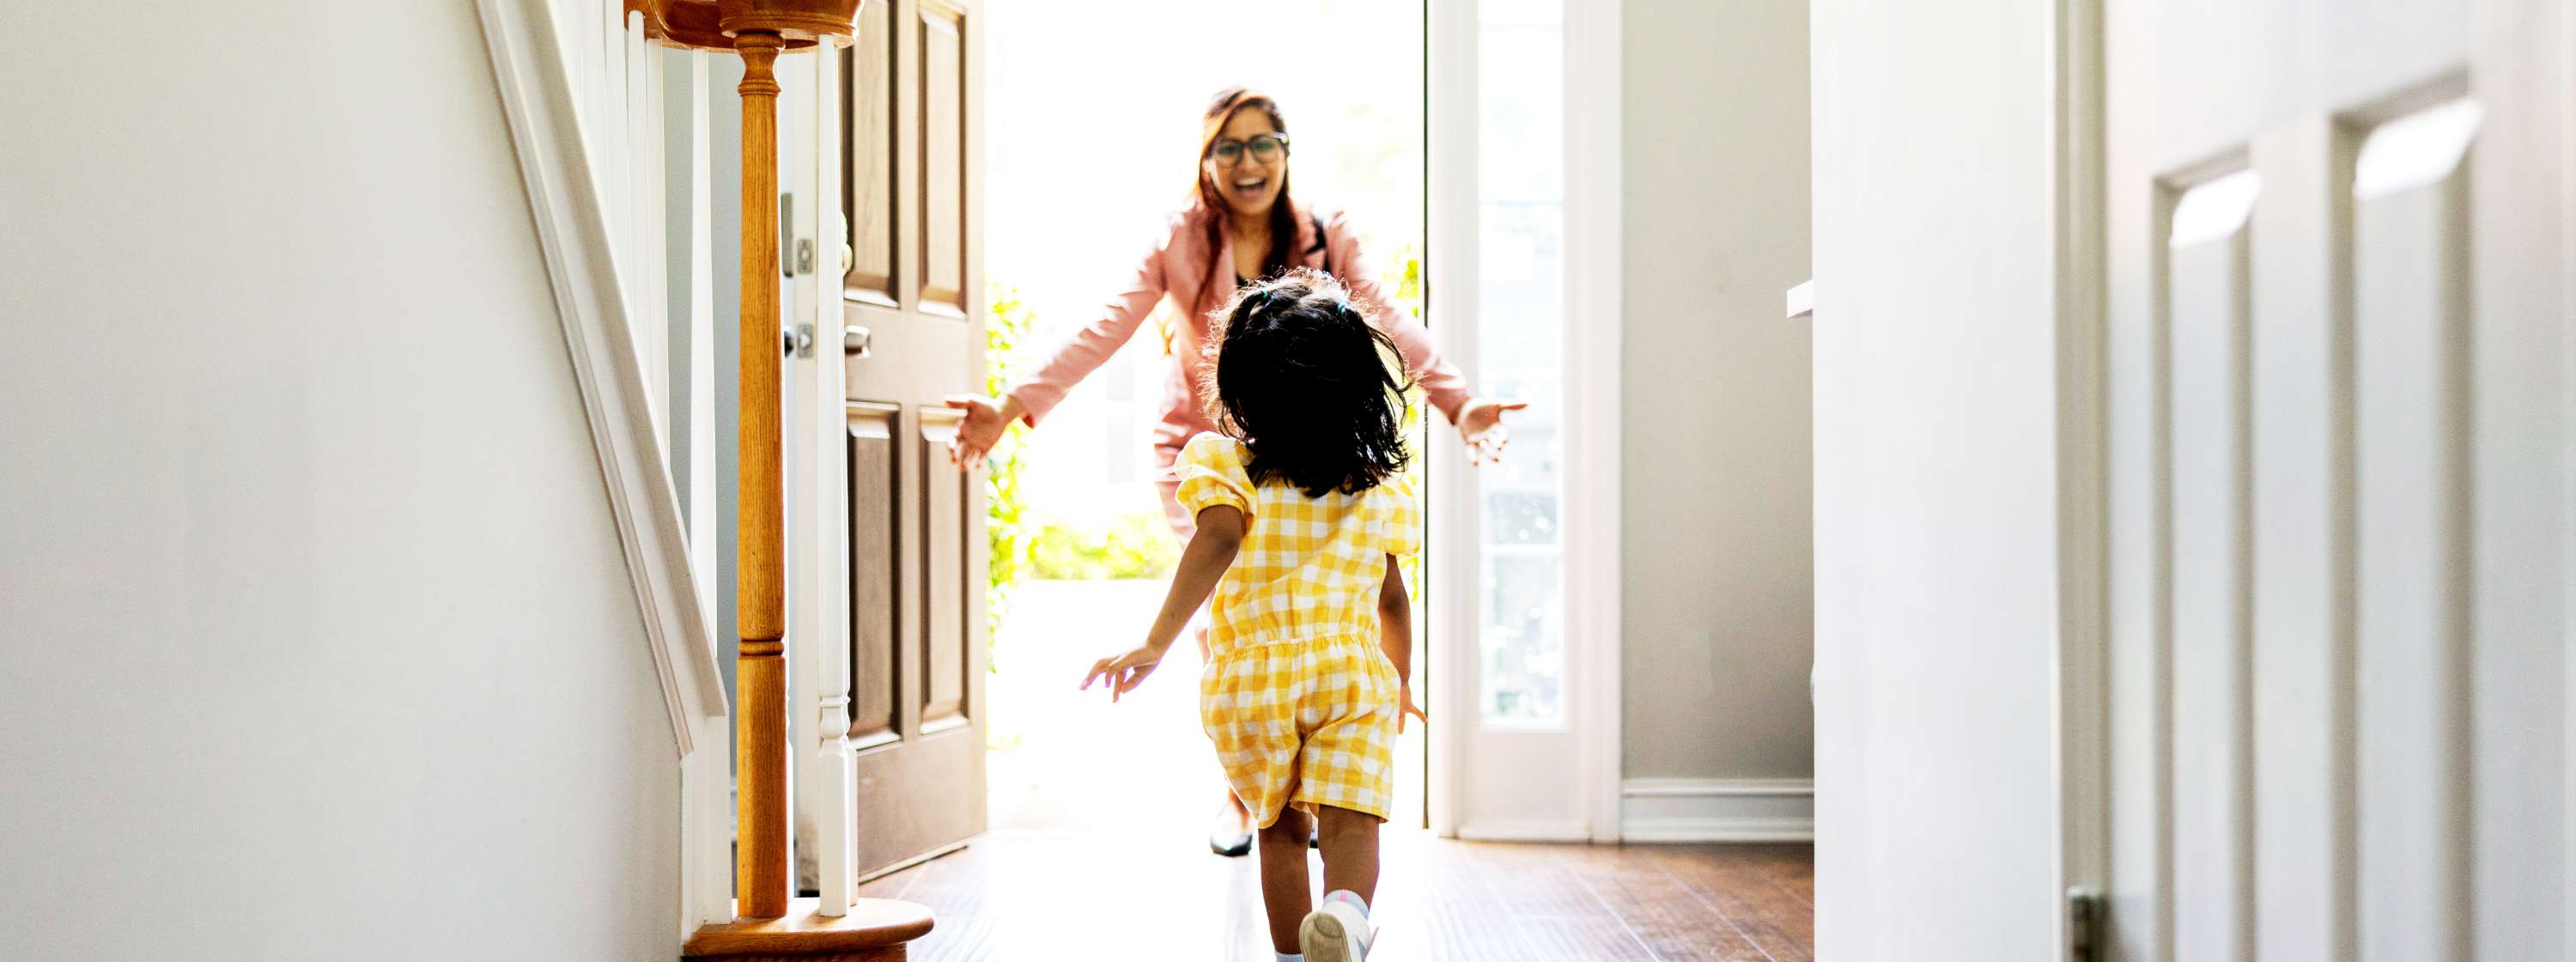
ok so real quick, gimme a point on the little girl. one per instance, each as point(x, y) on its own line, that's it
point(1299, 530)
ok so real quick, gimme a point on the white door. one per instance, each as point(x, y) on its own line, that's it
point(2335, 351)
point(1522, 294)
point(1936, 577)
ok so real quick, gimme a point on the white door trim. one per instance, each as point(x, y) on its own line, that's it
point(1594, 319)
point(1449, 614)
point(2077, 211)
point(1590, 457)
point(818, 504)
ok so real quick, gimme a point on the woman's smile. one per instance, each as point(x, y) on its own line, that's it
point(1250, 191)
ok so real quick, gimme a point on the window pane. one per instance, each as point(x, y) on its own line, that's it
point(1520, 350)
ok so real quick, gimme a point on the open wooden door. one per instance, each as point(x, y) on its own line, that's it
point(2337, 528)
point(912, 309)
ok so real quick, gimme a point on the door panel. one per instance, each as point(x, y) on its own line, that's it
point(920, 777)
point(2208, 290)
point(876, 572)
point(2295, 406)
point(867, 141)
point(943, 116)
point(2411, 432)
point(943, 542)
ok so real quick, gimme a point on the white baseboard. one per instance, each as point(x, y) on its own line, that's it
point(1525, 830)
point(1717, 810)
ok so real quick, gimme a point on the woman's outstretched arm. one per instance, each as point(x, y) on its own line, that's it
point(1082, 353)
point(1479, 420)
point(1091, 346)
point(1441, 383)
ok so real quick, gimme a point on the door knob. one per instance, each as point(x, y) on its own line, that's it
point(854, 340)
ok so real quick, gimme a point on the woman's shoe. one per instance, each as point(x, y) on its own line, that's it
point(1230, 846)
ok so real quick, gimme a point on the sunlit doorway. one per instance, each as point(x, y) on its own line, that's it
point(1093, 124)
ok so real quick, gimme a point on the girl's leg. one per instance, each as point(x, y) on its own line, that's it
point(1350, 854)
point(1284, 896)
point(1233, 821)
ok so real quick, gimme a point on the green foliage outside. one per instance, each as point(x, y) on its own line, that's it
point(1007, 523)
point(1408, 298)
point(1134, 545)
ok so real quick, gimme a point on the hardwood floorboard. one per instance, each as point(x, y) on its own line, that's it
point(1040, 895)
point(1672, 921)
point(1741, 889)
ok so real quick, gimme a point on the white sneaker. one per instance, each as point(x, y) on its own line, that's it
point(1336, 932)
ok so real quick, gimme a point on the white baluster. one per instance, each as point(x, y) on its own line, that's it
point(644, 137)
point(610, 81)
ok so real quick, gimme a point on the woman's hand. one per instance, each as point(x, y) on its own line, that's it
point(986, 419)
point(1125, 672)
point(1480, 424)
point(1406, 694)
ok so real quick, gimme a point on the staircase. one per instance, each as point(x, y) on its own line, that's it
point(582, 82)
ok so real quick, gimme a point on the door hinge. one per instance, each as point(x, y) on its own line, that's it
point(2083, 924)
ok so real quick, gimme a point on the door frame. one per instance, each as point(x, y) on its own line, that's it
point(2079, 212)
point(1591, 438)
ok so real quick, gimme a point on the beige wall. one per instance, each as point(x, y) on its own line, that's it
point(1719, 599)
point(321, 643)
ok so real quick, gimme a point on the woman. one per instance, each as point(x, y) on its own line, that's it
point(1242, 227)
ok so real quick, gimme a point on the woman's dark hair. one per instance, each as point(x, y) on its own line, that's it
point(1310, 386)
point(1283, 214)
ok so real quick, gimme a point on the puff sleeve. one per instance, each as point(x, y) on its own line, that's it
point(1399, 514)
point(1212, 473)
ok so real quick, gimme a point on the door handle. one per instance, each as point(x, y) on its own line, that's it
point(855, 340)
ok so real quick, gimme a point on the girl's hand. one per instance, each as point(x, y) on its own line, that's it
point(1480, 424)
point(986, 419)
point(1125, 672)
point(1406, 694)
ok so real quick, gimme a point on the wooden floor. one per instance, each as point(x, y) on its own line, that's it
point(1030, 895)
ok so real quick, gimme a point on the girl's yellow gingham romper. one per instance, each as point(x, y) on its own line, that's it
point(1298, 696)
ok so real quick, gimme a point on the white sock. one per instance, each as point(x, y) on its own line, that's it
point(1346, 895)
point(1291, 956)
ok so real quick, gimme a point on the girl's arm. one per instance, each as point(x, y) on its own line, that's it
point(1395, 622)
point(1202, 564)
point(1395, 634)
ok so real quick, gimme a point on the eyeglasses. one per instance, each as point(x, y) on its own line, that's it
point(1264, 147)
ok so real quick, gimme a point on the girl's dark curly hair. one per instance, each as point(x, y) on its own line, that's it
point(1310, 386)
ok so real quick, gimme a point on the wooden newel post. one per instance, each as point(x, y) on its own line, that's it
point(870, 929)
point(760, 680)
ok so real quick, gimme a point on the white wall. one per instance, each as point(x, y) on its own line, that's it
point(1718, 568)
point(1935, 356)
point(322, 643)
